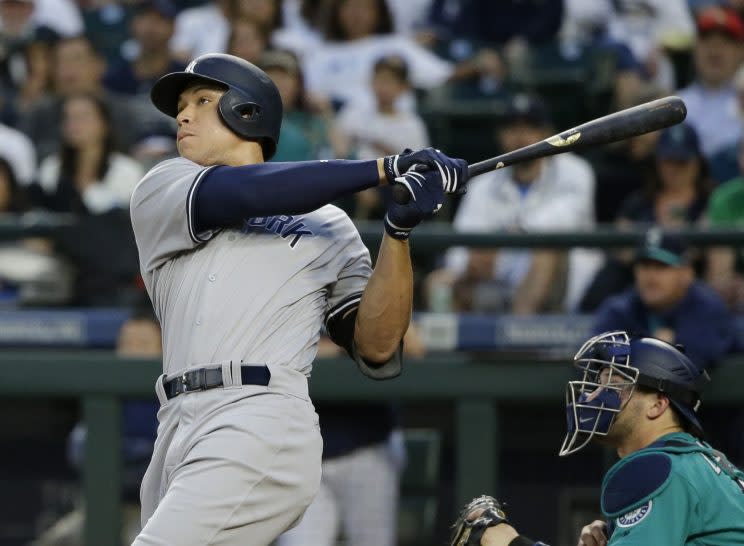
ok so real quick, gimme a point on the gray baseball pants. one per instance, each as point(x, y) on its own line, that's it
point(232, 466)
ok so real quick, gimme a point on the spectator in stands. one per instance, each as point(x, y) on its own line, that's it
point(650, 30)
point(677, 196)
point(18, 150)
point(302, 28)
point(139, 337)
point(357, 34)
point(17, 69)
point(724, 165)
point(711, 99)
point(548, 194)
point(87, 175)
point(12, 197)
point(363, 456)
point(37, 80)
point(77, 68)
point(726, 264)
point(308, 130)
point(29, 273)
point(267, 13)
point(409, 15)
point(61, 16)
point(626, 166)
point(107, 25)
point(26, 28)
point(152, 30)
point(669, 304)
point(248, 39)
point(509, 25)
point(680, 193)
point(202, 29)
point(382, 128)
point(591, 27)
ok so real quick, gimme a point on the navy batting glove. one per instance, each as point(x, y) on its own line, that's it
point(454, 171)
point(427, 196)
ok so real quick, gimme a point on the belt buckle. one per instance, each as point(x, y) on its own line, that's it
point(184, 383)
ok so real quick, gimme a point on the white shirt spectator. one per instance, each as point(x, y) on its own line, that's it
point(114, 191)
point(62, 16)
point(562, 198)
point(375, 134)
point(409, 14)
point(714, 113)
point(645, 25)
point(581, 18)
point(200, 30)
point(343, 70)
point(18, 150)
point(299, 38)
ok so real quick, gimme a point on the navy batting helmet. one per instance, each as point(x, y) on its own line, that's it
point(251, 106)
point(614, 362)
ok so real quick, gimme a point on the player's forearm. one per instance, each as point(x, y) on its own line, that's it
point(499, 535)
point(385, 310)
point(229, 195)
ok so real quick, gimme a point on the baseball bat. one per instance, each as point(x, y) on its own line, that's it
point(638, 120)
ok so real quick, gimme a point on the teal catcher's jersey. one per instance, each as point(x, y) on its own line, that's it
point(678, 491)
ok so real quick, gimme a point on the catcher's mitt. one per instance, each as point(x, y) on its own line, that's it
point(469, 529)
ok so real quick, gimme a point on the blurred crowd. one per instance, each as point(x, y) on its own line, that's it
point(360, 79)
point(366, 78)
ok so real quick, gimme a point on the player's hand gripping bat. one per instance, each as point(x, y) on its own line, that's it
point(638, 120)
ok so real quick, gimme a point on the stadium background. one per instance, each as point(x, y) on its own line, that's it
point(481, 410)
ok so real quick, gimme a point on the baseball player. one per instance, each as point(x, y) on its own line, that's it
point(244, 262)
point(639, 396)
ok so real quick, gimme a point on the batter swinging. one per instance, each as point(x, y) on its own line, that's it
point(244, 262)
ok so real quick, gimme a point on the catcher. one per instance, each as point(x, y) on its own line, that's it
point(670, 488)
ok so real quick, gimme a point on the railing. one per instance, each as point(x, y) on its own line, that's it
point(434, 237)
point(477, 389)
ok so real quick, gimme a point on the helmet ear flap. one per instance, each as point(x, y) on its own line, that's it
point(247, 111)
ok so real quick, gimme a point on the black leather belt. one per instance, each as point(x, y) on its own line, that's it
point(209, 378)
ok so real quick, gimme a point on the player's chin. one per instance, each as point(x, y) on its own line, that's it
point(188, 150)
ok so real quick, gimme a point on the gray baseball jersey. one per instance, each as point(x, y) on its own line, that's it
point(258, 292)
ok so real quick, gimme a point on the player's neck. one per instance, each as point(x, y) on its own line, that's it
point(645, 437)
point(246, 153)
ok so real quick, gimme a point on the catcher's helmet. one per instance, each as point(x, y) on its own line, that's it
point(251, 106)
point(614, 362)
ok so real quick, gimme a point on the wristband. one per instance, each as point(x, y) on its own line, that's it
point(397, 232)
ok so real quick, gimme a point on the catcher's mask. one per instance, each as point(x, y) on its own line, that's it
point(611, 366)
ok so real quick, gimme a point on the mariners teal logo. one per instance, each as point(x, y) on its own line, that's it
point(636, 516)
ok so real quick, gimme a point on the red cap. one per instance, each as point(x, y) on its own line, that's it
point(720, 19)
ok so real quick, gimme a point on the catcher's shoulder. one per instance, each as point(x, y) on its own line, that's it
point(634, 481)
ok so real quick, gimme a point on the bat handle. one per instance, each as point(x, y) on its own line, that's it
point(401, 195)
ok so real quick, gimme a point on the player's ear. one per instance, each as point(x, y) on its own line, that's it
point(658, 405)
